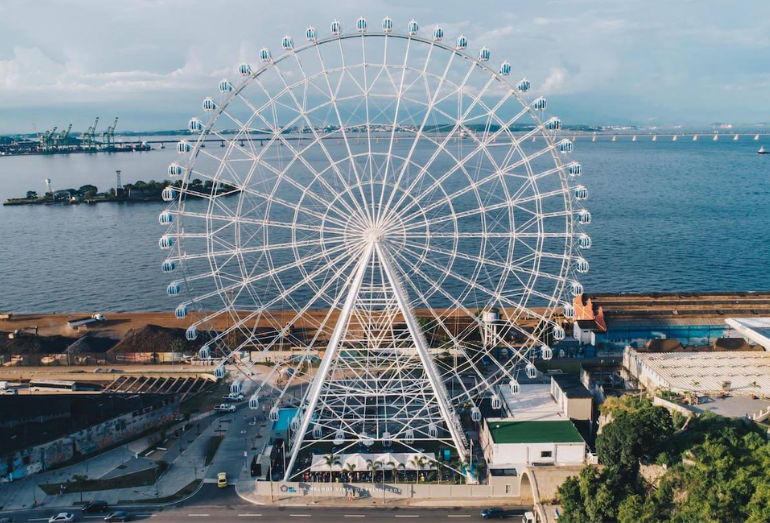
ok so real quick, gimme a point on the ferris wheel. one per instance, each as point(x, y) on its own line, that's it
point(386, 219)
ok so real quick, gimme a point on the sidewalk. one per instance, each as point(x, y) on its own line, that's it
point(246, 491)
point(183, 469)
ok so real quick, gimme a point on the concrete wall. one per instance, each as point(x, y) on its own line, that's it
point(529, 453)
point(32, 460)
point(286, 489)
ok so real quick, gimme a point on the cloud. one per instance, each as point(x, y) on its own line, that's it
point(555, 82)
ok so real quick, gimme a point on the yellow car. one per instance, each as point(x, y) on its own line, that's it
point(221, 480)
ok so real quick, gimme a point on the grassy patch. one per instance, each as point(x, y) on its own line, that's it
point(211, 449)
point(183, 493)
point(141, 478)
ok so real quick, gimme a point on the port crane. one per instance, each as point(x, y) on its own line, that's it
point(109, 135)
point(89, 137)
point(46, 141)
point(64, 137)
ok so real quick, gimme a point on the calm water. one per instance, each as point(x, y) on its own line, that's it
point(666, 216)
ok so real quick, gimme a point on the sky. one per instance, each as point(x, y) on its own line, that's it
point(601, 62)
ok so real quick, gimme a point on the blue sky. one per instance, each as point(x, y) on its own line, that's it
point(651, 62)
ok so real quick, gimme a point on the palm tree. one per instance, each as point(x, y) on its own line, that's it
point(331, 461)
point(392, 467)
point(401, 467)
point(374, 466)
point(419, 463)
point(350, 468)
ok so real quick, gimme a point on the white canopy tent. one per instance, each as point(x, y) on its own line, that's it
point(388, 460)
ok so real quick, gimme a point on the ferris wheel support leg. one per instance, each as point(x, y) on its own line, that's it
point(329, 356)
point(430, 370)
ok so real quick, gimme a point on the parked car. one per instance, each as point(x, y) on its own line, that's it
point(62, 517)
point(233, 397)
point(11, 392)
point(493, 513)
point(224, 407)
point(6, 520)
point(96, 506)
point(118, 516)
point(221, 480)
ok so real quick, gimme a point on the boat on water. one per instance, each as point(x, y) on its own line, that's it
point(762, 150)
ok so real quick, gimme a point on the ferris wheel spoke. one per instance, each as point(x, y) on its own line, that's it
point(479, 324)
point(458, 124)
point(301, 314)
point(460, 163)
point(272, 274)
point(332, 96)
point(277, 299)
point(318, 140)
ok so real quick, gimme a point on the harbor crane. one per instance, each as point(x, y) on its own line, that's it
point(89, 137)
point(63, 139)
point(109, 135)
point(46, 141)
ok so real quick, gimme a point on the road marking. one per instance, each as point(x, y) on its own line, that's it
point(299, 515)
point(355, 516)
point(407, 516)
point(198, 515)
point(249, 515)
point(459, 516)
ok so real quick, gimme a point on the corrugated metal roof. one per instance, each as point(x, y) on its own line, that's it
point(707, 372)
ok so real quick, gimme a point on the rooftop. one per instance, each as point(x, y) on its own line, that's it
point(533, 403)
point(747, 372)
point(571, 386)
point(504, 431)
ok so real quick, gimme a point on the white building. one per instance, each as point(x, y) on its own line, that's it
point(743, 373)
point(535, 431)
point(510, 444)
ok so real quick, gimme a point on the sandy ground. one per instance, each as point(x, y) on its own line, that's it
point(117, 324)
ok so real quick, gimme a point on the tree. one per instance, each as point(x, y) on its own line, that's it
point(31, 195)
point(374, 467)
point(89, 195)
point(331, 460)
point(88, 187)
point(593, 496)
point(631, 435)
point(350, 468)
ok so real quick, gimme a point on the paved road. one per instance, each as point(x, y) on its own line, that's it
point(212, 503)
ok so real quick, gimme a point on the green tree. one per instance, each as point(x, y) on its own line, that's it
point(631, 435)
point(331, 460)
point(593, 496)
point(31, 195)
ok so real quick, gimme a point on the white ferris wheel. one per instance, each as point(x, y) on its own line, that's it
point(389, 221)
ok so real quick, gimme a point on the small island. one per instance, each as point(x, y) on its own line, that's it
point(139, 191)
